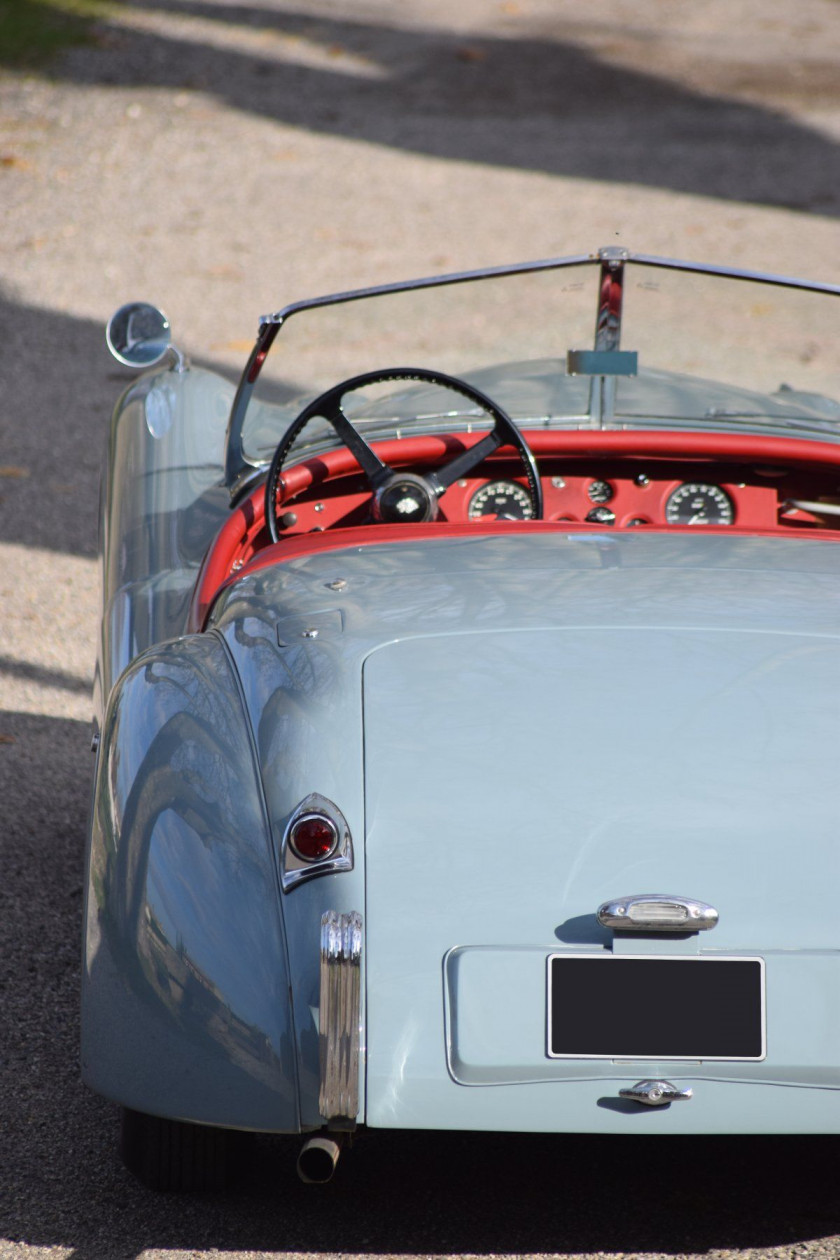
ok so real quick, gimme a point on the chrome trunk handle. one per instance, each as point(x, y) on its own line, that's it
point(655, 1093)
point(657, 912)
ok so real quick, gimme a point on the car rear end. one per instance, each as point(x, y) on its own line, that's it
point(549, 725)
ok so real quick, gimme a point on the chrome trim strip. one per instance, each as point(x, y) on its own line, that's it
point(735, 273)
point(607, 254)
point(657, 912)
point(295, 870)
point(814, 506)
point(241, 472)
point(340, 1017)
point(427, 282)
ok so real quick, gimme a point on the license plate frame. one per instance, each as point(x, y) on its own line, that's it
point(661, 1007)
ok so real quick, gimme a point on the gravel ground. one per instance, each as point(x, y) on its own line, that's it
point(222, 159)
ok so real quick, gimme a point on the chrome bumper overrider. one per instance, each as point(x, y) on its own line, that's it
point(340, 1014)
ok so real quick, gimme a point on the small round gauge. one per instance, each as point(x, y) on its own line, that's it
point(695, 503)
point(601, 516)
point(599, 491)
point(506, 500)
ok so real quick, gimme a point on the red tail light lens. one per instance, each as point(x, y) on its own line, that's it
point(313, 837)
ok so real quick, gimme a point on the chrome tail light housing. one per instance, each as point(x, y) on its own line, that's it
point(316, 841)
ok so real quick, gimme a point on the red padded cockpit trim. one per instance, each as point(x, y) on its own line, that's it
point(238, 542)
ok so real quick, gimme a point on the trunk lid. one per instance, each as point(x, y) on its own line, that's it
point(516, 779)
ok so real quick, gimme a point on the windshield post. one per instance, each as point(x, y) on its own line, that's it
point(610, 293)
point(607, 330)
point(240, 471)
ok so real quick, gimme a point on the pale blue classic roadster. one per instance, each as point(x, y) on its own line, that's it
point(467, 731)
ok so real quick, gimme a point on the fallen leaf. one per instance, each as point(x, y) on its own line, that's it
point(7, 739)
point(471, 54)
point(11, 160)
point(12, 470)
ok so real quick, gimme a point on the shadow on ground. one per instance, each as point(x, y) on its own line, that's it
point(58, 385)
point(516, 98)
point(58, 389)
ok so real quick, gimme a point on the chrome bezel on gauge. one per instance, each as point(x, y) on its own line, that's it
point(725, 513)
point(513, 489)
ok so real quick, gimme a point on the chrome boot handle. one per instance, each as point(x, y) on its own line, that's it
point(657, 912)
point(655, 1093)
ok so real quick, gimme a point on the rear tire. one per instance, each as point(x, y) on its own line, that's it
point(176, 1156)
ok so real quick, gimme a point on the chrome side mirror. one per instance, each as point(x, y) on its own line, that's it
point(138, 335)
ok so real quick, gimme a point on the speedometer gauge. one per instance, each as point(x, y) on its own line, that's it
point(695, 503)
point(505, 500)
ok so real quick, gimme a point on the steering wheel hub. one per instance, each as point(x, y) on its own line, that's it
point(404, 497)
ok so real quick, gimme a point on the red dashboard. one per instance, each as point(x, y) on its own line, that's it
point(594, 480)
point(601, 492)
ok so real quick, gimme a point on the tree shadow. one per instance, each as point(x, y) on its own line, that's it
point(59, 386)
point(524, 101)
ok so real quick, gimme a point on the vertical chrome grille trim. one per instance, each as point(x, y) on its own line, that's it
point(339, 1017)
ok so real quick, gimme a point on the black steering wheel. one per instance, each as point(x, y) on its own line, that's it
point(403, 496)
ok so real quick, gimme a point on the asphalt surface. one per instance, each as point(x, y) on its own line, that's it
point(223, 159)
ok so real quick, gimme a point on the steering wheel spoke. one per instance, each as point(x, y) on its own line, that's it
point(367, 459)
point(399, 494)
point(464, 463)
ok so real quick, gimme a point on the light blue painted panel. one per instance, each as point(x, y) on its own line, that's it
point(593, 1106)
point(185, 1008)
point(549, 721)
point(534, 775)
point(515, 780)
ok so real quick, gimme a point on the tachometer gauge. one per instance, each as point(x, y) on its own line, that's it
point(506, 500)
point(696, 503)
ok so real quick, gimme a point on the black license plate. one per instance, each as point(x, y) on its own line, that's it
point(645, 1006)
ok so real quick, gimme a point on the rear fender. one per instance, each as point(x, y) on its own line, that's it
point(185, 1004)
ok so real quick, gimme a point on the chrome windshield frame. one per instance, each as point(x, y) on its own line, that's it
point(241, 472)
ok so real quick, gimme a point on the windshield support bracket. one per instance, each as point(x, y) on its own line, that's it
point(607, 331)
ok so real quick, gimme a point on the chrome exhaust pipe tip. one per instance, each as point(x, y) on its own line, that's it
point(318, 1158)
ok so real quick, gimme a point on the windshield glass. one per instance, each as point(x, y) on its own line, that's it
point(713, 352)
